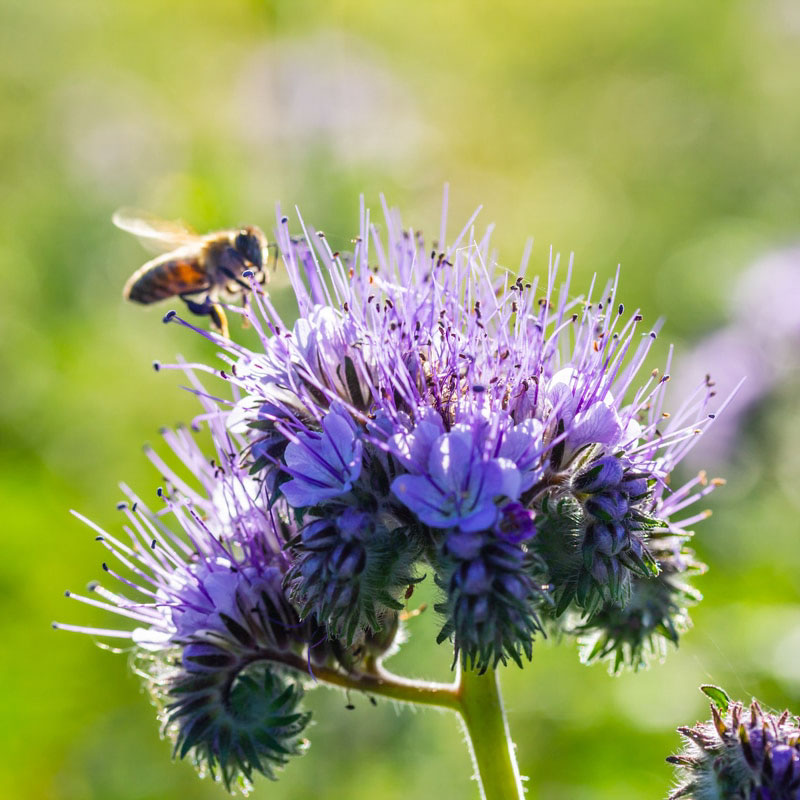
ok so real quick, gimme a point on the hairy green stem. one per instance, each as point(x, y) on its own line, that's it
point(376, 681)
point(474, 697)
point(481, 708)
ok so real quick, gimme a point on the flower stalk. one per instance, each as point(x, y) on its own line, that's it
point(474, 696)
point(488, 736)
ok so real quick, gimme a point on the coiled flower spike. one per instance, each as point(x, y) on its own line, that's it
point(209, 605)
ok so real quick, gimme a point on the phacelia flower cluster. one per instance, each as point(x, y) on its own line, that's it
point(740, 754)
point(431, 412)
point(428, 413)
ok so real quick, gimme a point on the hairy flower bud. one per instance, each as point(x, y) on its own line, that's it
point(232, 719)
point(349, 572)
point(491, 600)
point(740, 754)
point(631, 635)
point(604, 473)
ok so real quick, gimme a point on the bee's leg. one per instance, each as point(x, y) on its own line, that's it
point(209, 308)
point(219, 320)
point(229, 273)
point(201, 309)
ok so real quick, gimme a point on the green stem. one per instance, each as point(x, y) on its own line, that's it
point(474, 697)
point(377, 681)
point(488, 736)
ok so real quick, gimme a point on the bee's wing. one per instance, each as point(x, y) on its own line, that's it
point(156, 235)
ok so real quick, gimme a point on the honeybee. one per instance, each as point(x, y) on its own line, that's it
point(192, 264)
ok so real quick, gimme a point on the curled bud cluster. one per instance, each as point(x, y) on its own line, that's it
point(232, 721)
point(613, 549)
point(490, 597)
point(740, 754)
point(426, 414)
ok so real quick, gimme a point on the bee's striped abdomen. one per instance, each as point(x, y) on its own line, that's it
point(164, 277)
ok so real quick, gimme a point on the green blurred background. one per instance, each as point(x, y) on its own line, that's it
point(664, 136)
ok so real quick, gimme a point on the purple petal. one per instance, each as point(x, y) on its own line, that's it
point(451, 460)
point(599, 424)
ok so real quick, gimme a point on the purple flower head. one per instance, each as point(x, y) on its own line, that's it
point(428, 406)
point(578, 421)
point(192, 582)
point(426, 413)
point(741, 753)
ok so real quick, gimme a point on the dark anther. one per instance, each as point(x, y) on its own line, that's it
point(169, 315)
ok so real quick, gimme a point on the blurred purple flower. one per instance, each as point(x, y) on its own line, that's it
point(759, 344)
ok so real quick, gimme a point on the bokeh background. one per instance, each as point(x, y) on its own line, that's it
point(664, 136)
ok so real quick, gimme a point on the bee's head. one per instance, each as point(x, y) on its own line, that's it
point(250, 244)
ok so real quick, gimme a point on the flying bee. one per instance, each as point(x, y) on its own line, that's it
point(191, 265)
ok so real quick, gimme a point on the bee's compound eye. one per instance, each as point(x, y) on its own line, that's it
point(248, 245)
